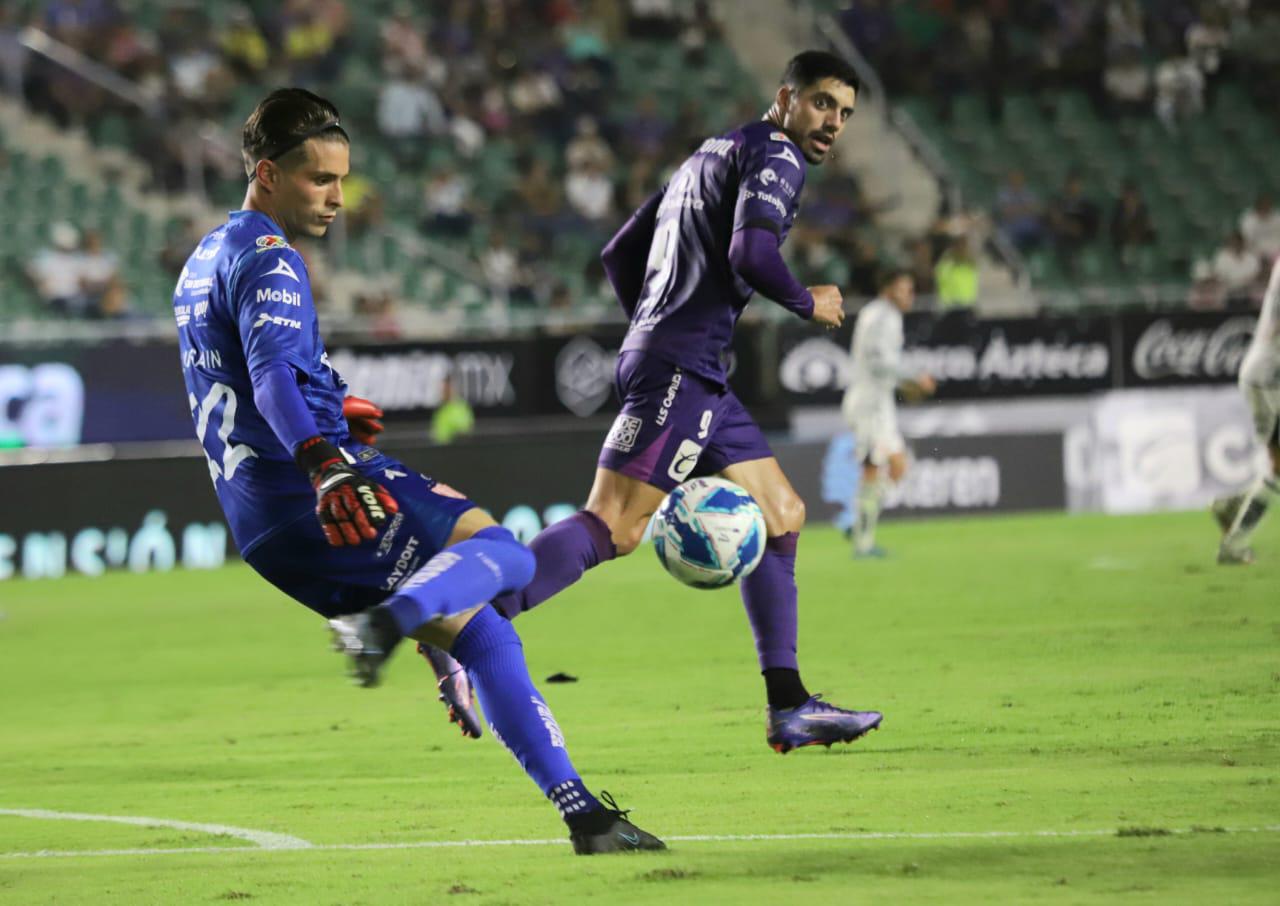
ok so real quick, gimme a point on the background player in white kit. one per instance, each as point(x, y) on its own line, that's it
point(869, 406)
point(1240, 514)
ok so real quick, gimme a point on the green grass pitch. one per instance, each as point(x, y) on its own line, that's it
point(1047, 673)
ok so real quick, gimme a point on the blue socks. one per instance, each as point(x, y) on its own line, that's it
point(458, 578)
point(491, 652)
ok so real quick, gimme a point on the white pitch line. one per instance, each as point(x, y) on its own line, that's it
point(688, 838)
point(260, 839)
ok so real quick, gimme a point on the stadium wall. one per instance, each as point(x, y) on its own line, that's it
point(125, 391)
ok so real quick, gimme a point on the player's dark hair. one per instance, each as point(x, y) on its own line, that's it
point(889, 275)
point(282, 121)
point(812, 66)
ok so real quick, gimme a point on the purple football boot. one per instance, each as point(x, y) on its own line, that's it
point(455, 690)
point(816, 723)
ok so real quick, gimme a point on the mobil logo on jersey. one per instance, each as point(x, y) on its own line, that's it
point(282, 296)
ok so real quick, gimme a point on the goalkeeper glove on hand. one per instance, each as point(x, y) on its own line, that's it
point(351, 507)
point(362, 419)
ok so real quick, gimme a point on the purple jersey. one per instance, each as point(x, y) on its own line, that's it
point(243, 301)
point(692, 298)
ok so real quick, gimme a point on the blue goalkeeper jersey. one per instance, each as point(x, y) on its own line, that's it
point(243, 302)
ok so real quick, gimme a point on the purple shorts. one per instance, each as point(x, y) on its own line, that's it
point(675, 425)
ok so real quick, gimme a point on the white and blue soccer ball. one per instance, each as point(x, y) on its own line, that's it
point(709, 532)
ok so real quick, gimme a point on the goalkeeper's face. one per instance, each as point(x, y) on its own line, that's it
point(308, 186)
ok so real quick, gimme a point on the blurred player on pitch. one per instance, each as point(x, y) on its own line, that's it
point(383, 552)
point(869, 407)
point(1240, 514)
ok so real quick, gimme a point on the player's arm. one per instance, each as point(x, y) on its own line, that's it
point(626, 256)
point(768, 186)
point(272, 307)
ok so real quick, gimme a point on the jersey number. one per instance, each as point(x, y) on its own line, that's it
point(232, 454)
point(662, 261)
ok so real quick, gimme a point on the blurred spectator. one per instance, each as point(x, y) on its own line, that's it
point(1179, 92)
point(536, 97)
point(1130, 222)
point(243, 45)
point(311, 36)
point(588, 147)
point(700, 29)
point(1236, 269)
point(99, 268)
point(956, 275)
point(542, 199)
point(362, 203)
point(1018, 213)
point(1207, 39)
point(114, 304)
point(1124, 26)
point(404, 45)
point(454, 418)
point(198, 74)
point(653, 19)
point(864, 267)
point(55, 271)
point(641, 181)
point(1128, 84)
point(447, 202)
point(1206, 292)
point(375, 306)
point(920, 263)
point(590, 192)
point(408, 110)
point(646, 130)
point(1260, 226)
point(505, 273)
point(1073, 221)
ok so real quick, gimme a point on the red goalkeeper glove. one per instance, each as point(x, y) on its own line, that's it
point(362, 419)
point(351, 507)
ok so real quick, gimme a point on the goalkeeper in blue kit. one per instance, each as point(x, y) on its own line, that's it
point(381, 551)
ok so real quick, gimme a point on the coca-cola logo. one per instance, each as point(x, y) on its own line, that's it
point(1164, 350)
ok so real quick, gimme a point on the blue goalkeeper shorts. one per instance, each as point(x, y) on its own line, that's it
point(338, 580)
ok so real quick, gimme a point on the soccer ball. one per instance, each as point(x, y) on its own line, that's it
point(709, 532)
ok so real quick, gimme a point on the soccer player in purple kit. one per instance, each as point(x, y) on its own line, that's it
point(683, 268)
point(382, 551)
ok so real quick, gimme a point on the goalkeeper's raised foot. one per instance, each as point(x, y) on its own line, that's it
point(367, 639)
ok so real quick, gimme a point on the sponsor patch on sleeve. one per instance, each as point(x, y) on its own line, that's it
point(272, 242)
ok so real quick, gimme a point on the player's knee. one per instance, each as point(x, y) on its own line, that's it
point(514, 559)
point(789, 515)
point(627, 537)
point(626, 529)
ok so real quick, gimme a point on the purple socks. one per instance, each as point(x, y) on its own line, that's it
point(769, 594)
point(564, 551)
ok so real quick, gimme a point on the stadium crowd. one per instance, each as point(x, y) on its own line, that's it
point(452, 86)
point(516, 131)
point(1132, 59)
